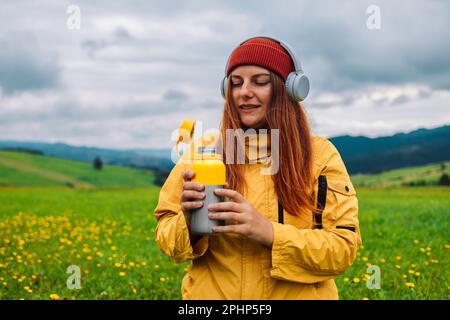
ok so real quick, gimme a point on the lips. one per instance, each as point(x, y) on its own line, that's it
point(248, 106)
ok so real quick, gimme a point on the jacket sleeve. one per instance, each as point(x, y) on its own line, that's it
point(172, 233)
point(315, 255)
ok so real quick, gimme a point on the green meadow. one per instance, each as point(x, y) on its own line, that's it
point(56, 213)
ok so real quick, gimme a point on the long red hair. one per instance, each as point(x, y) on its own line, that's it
point(294, 180)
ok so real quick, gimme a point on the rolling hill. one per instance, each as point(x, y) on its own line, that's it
point(427, 175)
point(22, 169)
point(374, 155)
point(360, 154)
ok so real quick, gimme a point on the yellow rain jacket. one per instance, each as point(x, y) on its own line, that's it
point(305, 256)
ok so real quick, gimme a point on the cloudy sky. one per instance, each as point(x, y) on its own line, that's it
point(133, 70)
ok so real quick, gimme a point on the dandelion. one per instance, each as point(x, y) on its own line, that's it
point(405, 276)
point(398, 257)
point(428, 249)
point(54, 296)
point(365, 259)
point(434, 261)
point(89, 258)
point(113, 248)
point(413, 265)
point(117, 265)
point(410, 284)
point(356, 280)
point(397, 266)
point(162, 279)
point(411, 271)
point(122, 274)
point(417, 274)
point(365, 298)
point(422, 249)
point(346, 280)
point(382, 260)
point(447, 246)
point(416, 241)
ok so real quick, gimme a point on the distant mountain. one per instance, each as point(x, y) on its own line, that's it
point(142, 158)
point(373, 155)
point(360, 154)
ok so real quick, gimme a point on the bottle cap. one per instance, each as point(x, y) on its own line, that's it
point(186, 130)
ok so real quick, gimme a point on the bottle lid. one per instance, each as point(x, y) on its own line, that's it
point(186, 130)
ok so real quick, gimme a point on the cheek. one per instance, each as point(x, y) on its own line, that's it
point(266, 96)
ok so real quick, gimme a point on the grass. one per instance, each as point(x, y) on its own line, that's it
point(22, 169)
point(423, 175)
point(109, 234)
point(104, 225)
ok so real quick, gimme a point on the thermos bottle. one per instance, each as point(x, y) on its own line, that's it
point(209, 170)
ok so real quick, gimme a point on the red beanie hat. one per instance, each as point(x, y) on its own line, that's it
point(262, 52)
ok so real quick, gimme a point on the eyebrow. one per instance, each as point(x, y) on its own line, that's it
point(253, 76)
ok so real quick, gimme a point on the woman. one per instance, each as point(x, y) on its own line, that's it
point(286, 236)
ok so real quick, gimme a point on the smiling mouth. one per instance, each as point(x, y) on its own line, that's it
point(248, 106)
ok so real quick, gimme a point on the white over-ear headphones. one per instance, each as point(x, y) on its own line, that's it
point(297, 83)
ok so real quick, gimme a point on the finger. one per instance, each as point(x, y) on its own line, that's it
point(192, 205)
point(197, 186)
point(188, 175)
point(188, 195)
point(232, 194)
point(230, 216)
point(232, 228)
point(225, 206)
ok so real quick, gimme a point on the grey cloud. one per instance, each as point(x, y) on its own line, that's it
point(25, 66)
point(176, 95)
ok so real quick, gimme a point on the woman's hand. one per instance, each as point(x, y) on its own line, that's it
point(191, 197)
point(249, 222)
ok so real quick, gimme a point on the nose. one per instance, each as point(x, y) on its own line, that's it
point(246, 89)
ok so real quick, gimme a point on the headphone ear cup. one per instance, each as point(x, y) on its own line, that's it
point(297, 86)
point(223, 86)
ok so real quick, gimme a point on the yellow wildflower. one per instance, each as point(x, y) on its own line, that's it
point(356, 280)
point(54, 296)
point(410, 284)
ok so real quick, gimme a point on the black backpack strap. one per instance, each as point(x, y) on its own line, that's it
point(321, 201)
point(280, 213)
